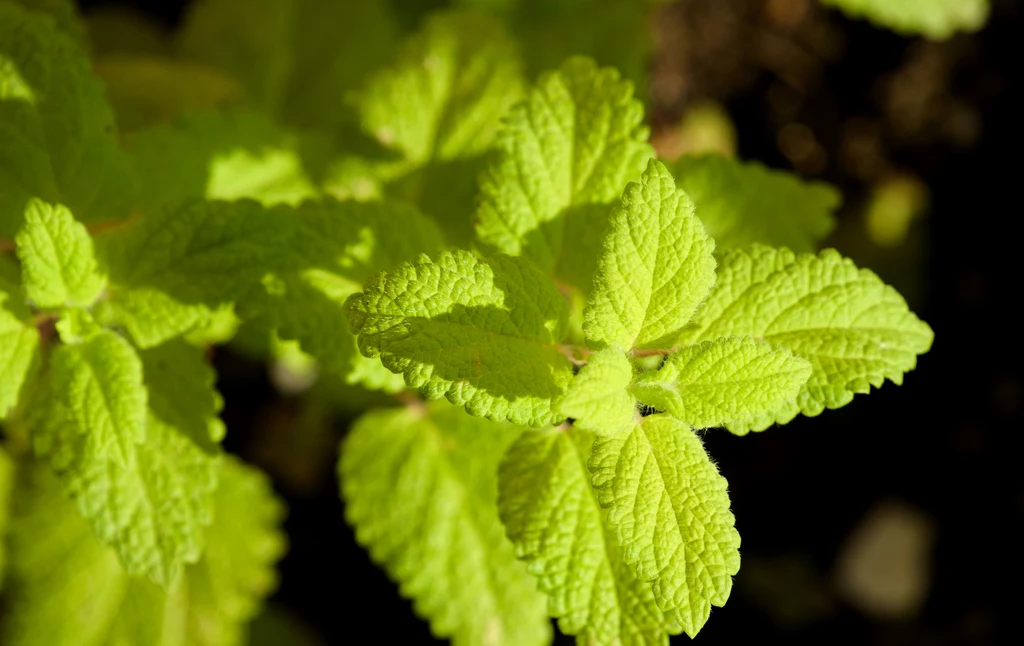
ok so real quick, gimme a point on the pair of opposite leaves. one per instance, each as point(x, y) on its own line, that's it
point(476, 330)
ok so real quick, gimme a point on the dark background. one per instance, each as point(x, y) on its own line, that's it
point(946, 445)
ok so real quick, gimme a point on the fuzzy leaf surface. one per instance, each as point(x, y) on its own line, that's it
point(565, 154)
point(483, 333)
point(742, 203)
point(553, 518)
point(58, 134)
point(935, 19)
point(854, 329)
point(69, 589)
point(420, 488)
point(598, 398)
point(733, 379)
point(657, 267)
point(145, 487)
point(58, 264)
point(670, 510)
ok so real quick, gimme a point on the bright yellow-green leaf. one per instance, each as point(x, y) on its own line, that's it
point(854, 329)
point(670, 511)
point(483, 333)
point(733, 379)
point(553, 518)
point(656, 268)
point(598, 398)
point(420, 487)
point(566, 153)
point(58, 265)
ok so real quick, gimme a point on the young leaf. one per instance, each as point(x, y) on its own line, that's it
point(420, 487)
point(552, 517)
point(656, 269)
point(483, 333)
point(854, 329)
point(145, 487)
point(60, 143)
point(936, 19)
point(68, 589)
point(58, 265)
point(565, 154)
point(741, 203)
point(598, 398)
point(171, 268)
point(19, 345)
point(670, 510)
point(733, 379)
point(337, 247)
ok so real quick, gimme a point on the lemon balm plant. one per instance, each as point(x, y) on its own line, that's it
point(558, 313)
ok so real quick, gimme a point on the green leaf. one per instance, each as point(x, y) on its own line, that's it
point(226, 588)
point(483, 333)
point(65, 16)
point(854, 329)
point(420, 486)
point(734, 379)
point(145, 487)
point(445, 96)
point(936, 19)
point(181, 392)
point(670, 511)
point(437, 110)
point(98, 385)
point(76, 325)
point(565, 155)
point(337, 247)
point(293, 57)
point(598, 398)
point(656, 269)
point(19, 347)
point(147, 89)
point(226, 155)
point(68, 589)
point(170, 269)
point(742, 203)
point(60, 144)
point(58, 265)
point(553, 518)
